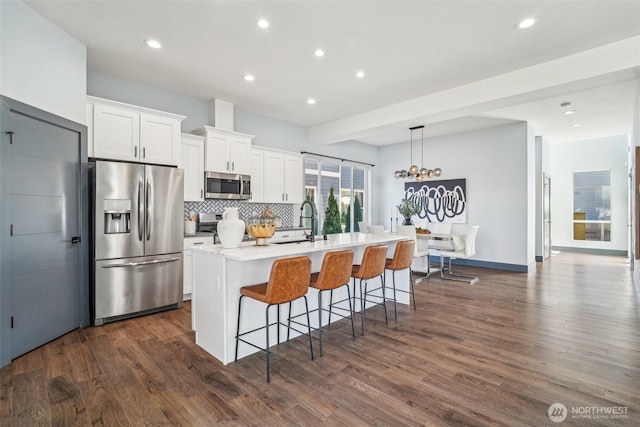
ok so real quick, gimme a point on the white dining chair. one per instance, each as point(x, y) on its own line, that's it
point(363, 227)
point(418, 253)
point(440, 228)
point(464, 248)
point(375, 229)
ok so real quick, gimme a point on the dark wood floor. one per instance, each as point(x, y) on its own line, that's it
point(499, 352)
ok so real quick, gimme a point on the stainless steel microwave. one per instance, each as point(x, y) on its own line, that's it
point(227, 186)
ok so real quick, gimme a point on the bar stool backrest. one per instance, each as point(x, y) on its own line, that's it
point(289, 279)
point(373, 262)
point(336, 270)
point(410, 232)
point(403, 255)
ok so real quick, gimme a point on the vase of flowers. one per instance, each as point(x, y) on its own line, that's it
point(407, 209)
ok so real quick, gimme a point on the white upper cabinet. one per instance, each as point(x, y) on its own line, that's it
point(226, 151)
point(192, 161)
point(282, 178)
point(116, 133)
point(274, 177)
point(257, 175)
point(159, 139)
point(127, 132)
point(293, 178)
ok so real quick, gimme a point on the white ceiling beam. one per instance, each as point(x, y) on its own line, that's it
point(485, 95)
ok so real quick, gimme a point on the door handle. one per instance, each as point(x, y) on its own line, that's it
point(233, 166)
point(134, 264)
point(75, 239)
point(135, 151)
point(148, 197)
point(227, 165)
point(144, 152)
point(140, 209)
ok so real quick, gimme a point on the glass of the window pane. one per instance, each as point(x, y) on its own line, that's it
point(594, 232)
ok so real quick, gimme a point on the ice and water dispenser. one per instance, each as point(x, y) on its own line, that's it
point(117, 216)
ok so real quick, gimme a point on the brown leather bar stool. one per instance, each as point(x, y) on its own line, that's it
point(402, 258)
point(372, 265)
point(334, 273)
point(289, 280)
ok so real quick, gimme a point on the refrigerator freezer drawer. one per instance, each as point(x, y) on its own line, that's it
point(131, 285)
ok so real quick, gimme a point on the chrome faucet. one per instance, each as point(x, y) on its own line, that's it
point(311, 237)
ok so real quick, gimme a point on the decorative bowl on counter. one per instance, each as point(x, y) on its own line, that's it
point(261, 229)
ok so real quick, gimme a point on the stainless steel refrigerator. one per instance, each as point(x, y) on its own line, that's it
point(137, 239)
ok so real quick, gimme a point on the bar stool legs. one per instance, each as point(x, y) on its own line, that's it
point(267, 340)
point(353, 329)
point(363, 299)
point(289, 281)
point(402, 258)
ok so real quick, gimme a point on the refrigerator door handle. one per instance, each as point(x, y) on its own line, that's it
point(148, 198)
point(140, 209)
point(134, 264)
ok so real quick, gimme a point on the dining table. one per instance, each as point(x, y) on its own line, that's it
point(423, 241)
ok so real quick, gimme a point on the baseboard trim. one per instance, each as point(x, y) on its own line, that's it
point(485, 264)
point(595, 251)
point(539, 258)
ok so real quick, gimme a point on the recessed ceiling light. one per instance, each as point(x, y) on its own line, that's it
point(577, 125)
point(527, 23)
point(249, 77)
point(311, 101)
point(319, 52)
point(360, 74)
point(569, 112)
point(155, 44)
point(263, 23)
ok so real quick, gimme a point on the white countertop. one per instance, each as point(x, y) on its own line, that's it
point(249, 251)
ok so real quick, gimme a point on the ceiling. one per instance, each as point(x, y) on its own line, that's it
point(408, 50)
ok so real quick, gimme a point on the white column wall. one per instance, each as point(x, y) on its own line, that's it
point(41, 65)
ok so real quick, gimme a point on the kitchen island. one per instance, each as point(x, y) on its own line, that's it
point(220, 273)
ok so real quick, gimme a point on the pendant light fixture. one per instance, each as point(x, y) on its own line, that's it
point(414, 172)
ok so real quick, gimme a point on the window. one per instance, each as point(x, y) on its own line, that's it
point(592, 206)
point(348, 181)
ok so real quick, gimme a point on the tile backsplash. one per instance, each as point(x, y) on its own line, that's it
point(247, 210)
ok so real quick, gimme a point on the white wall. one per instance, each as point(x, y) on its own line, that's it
point(498, 164)
point(40, 64)
point(590, 155)
point(196, 110)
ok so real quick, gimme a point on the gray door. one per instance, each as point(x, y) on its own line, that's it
point(44, 171)
point(164, 210)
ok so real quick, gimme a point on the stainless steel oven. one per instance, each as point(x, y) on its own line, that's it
point(227, 186)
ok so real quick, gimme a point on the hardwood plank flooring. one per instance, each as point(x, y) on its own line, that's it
point(498, 352)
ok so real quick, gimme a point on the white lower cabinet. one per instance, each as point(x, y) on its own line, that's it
point(187, 275)
point(187, 270)
point(290, 235)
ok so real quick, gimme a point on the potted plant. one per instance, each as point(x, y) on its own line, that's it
point(407, 209)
